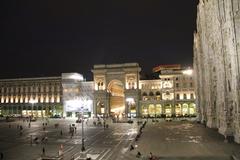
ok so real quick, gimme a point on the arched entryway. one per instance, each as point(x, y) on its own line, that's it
point(116, 99)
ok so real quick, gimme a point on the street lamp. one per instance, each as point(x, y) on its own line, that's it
point(83, 147)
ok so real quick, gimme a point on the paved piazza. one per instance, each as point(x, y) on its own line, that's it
point(167, 140)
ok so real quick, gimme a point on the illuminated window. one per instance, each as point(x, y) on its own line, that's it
point(11, 99)
point(52, 99)
point(21, 99)
point(192, 109)
point(26, 99)
point(42, 99)
point(192, 96)
point(158, 109)
point(144, 110)
point(184, 96)
point(58, 99)
point(47, 99)
point(16, 99)
point(185, 109)
point(151, 110)
point(6, 100)
point(2, 99)
point(158, 95)
point(178, 109)
point(177, 96)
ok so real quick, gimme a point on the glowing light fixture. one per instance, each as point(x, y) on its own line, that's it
point(188, 72)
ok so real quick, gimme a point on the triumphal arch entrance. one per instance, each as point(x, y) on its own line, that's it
point(116, 90)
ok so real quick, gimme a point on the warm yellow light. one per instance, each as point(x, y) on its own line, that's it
point(11, 100)
point(58, 99)
point(26, 99)
point(102, 110)
point(32, 101)
point(47, 99)
point(16, 99)
point(52, 99)
point(21, 100)
point(41, 100)
point(188, 72)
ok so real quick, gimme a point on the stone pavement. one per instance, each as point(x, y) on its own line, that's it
point(183, 140)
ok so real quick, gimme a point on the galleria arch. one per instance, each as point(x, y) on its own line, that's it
point(116, 91)
point(116, 97)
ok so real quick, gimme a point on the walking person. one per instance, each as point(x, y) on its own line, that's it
point(138, 154)
point(131, 147)
point(150, 156)
point(43, 151)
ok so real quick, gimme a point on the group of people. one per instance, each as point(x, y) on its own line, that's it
point(150, 157)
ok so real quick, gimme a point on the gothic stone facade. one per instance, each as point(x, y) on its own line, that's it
point(216, 62)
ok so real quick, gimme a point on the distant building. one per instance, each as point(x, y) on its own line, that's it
point(171, 95)
point(31, 96)
point(115, 91)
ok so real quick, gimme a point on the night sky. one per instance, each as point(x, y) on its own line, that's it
point(47, 38)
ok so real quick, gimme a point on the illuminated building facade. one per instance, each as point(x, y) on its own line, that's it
point(115, 91)
point(119, 91)
point(172, 95)
point(31, 96)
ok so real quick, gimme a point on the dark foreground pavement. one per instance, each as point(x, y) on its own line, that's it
point(180, 140)
point(183, 140)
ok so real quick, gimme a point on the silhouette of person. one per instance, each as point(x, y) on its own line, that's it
point(43, 151)
point(1, 155)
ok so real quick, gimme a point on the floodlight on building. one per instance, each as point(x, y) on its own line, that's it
point(32, 101)
point(73, 76)
point(188, 72)
point(130, 100)
point(73, 103)
point(76, 77)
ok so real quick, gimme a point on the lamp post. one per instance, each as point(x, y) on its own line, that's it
point(83, 147)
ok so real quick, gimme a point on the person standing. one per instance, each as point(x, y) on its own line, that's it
point(150, 156)
point(1, 155)
point(43, 151)
point(138, 154)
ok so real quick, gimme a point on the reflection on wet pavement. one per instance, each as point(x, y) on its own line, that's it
point(175, 132)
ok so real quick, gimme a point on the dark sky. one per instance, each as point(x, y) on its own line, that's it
point(46, 38)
